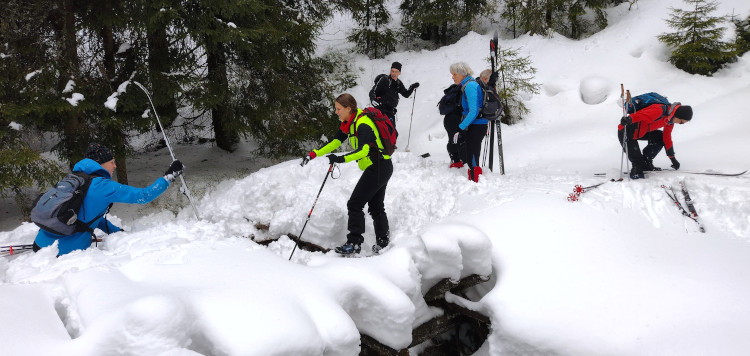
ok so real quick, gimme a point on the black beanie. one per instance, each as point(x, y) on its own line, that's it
point(684, 112)
point(396, 65)
point(99, 153)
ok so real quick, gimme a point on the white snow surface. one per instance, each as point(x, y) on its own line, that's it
point(620, 272)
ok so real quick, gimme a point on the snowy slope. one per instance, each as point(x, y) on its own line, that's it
point(619, 272)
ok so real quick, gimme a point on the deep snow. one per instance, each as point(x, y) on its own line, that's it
point(619, 272)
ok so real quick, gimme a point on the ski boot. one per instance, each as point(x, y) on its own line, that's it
point(381, 243)
point(348, 249)
point(636, 173)
point(458, 164)
point(649, 166)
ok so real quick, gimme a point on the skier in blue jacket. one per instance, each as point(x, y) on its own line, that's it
point(473, 127)
point(102, 192)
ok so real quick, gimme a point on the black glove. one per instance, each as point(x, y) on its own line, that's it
point(307, 158)
point(459, 136)
point(675, 163)
point(493, 78)
point(414, 86)
point(332, 158)
point(626, 120)
point(174, 171)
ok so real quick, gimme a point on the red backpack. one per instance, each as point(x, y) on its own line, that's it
point(386, 130)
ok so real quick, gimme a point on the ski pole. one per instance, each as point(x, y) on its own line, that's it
point(296, 241)
point(15, 249)
point(185, 189)
point(412, 118)
point(624, 131)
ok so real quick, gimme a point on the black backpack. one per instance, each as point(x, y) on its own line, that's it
point(451, 101)
point(492, 107)
point(56, 210)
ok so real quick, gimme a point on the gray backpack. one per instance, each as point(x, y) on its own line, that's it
point(56, 211)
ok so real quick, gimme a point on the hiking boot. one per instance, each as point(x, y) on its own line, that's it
point(348, 248)
point(636, 173)
point(458, 164)
point(381, 243)
point(649, 166)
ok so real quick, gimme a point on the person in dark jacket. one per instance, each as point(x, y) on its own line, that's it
point(473, 127)
point(376, 167)
point(102, 192)
point(645, 124)
point(384, 94)
point(450, 106)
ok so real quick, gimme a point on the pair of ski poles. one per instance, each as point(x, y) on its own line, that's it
point(624, 153)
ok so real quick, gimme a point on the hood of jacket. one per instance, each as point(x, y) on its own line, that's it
point(89, 166)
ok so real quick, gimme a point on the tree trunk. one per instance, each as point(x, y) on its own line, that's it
point(221, 112)
point(158, 64)
point(74, 140)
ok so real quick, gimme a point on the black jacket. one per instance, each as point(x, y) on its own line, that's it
point(386, 91)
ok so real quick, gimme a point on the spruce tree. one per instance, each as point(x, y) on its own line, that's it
point(441, 21)
point(697, 47)
point(742, 39)
point(372, 37)
point(515, 79)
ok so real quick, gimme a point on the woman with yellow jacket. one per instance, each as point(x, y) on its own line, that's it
point(377, 170)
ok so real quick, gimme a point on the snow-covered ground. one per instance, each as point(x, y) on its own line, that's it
point(620, 272)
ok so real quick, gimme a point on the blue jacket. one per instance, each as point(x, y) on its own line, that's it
point(471, 102)
point(101, 193)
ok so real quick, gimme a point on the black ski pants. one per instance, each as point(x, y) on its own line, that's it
point(370, 190)
point(655, 141)
point(450, 122)
point(471, 149)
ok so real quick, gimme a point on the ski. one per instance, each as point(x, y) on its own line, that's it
point(705, 173)
point(495, 125)
point(425, 155)
point(673, 196)
point(579, 189)
point(691, 206)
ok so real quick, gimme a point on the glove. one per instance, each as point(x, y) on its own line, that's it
point(174, 171)
point(458, 137)
point(306, 159)
point(332, 158)
point(626, 120)
point(493, 78)
point(675, 163)
point(414, 86)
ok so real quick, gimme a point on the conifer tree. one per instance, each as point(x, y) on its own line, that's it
point(697, 45)
point(437, 20)
point(372, 37)
point(742, 39)
point(515, 79)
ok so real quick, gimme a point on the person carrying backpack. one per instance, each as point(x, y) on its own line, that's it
point(384, 94)
point(102, 192)
point(450, 106)
point(645, 123)
point(376, 167)
point(473, 127)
